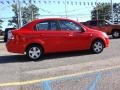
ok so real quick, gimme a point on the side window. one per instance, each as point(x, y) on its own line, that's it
point(42, 25)
point(53, 25)
point(47, 25)
point(93, 23)
point(100, 23)
point(103, 23)
point(68, 25)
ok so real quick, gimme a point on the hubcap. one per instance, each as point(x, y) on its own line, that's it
point(97, 47)
point(116, 34)
point(34, 52)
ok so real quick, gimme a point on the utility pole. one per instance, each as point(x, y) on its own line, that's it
point(30, 4)
point(112, 11)
point(97, 13)
point(19, 14)
point(97, 10)
point(66, 8)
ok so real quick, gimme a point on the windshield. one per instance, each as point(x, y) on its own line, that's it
point(108, 22)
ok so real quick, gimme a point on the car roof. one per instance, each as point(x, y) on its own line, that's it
point(42, 19)
point(31, 24)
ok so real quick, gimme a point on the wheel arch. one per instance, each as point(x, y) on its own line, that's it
point(31, 44)
point(115, 30)
point(96, 40)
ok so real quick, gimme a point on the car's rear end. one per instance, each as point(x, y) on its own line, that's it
point(12, 42)
point(6, 33)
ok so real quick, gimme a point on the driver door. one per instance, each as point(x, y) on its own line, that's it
point(74, 37)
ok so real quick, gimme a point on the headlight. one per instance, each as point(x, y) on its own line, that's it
point(105, 35)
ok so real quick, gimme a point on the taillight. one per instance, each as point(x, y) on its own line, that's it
point(10, 35)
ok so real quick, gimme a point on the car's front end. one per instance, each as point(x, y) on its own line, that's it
point(99, 35)
point(106, 39)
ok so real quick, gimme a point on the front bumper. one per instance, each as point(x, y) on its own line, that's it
point(107, 42)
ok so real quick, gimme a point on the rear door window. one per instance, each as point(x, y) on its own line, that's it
point(53, 25)
point(42, 25)
point(47, 25)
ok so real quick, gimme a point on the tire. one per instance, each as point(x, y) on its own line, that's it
point(115, 34)
point(97, 46)
point(34, 52)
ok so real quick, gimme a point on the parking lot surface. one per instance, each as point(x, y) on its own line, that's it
point(62, 71)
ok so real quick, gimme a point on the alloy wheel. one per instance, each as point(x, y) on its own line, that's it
point(97, 46)
point(34, 52)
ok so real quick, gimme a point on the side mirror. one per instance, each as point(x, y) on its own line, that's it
point(83, 30)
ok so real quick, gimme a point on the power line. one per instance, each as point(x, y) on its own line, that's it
point(67, 2)
point(6, 18)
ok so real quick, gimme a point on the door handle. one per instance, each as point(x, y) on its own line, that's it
point(70, 35)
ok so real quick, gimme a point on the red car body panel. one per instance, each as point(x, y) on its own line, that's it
point(53, 41)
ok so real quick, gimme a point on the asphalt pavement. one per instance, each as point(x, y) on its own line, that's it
point(62, 71)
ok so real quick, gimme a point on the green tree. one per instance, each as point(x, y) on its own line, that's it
point(14, 21)
point(101, 11)
point(116, 11)
point(28, 13)
point(1, 21)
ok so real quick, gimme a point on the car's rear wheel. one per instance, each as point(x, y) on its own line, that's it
point(115, 34)
point(97, 46)
point(34, 52)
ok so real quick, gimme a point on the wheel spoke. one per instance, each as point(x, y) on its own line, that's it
point(37, 55)
point(32, 55)
point(34, 49)
point(38, 51)
point(31, 52)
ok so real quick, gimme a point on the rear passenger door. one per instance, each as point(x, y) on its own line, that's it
point(48, 32)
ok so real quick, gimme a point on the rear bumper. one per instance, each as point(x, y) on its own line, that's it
point(15, 47)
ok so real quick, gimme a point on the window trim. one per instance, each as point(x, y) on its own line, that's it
point(49, 22)
point(82, 29)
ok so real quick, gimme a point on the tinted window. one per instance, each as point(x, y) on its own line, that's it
point(42, 26)
point(53, 25)
point(47, 25)
point(102, 23)
point(93, 23)
point(68, 25)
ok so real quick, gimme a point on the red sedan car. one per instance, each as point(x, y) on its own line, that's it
point(55, 35)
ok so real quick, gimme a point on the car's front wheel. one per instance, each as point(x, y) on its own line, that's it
point(97, 46)
point(34, 52)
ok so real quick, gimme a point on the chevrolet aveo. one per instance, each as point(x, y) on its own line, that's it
point(52, 35)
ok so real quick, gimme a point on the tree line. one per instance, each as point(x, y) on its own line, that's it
point(28, 13)
point(103, 11)
point(31, 12)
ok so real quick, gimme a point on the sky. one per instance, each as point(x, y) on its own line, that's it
point(79, 10)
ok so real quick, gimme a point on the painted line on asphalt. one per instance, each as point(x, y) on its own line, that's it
point(93, 84)
point(56, 78)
